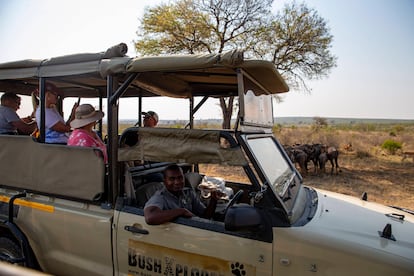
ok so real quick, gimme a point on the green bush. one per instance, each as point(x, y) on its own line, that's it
point(277, 128)
point(391, 146)
point(398, 128)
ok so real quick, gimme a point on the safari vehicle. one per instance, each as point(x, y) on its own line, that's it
point(65, 212)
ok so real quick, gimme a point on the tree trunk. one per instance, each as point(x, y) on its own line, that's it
point(227, 111)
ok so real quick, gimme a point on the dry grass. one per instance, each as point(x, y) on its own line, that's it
point(388, 179)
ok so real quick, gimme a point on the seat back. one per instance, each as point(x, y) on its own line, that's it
point(146, 191)
point(192, 179)
point(75, 172)
point(129, 184)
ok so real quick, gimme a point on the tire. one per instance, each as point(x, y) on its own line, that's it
point(10, 249)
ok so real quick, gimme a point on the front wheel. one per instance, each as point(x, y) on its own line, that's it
point(10, 251)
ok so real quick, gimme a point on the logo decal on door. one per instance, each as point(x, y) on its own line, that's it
point(147, 259)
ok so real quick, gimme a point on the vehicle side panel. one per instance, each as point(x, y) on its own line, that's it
point(67, 237)
point(187, 250)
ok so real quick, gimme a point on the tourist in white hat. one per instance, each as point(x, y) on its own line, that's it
point(83, 135)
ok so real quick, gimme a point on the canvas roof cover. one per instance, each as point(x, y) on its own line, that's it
point(84, 75)
point(181, 146)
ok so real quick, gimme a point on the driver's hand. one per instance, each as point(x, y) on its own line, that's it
point(186, 213)
point(216, 195)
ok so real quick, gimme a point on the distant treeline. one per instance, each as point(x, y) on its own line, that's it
point(338, 121)
point(290, 121)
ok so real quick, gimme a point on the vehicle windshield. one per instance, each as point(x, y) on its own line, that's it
point(278, 173)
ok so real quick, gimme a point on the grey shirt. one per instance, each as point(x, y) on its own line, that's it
point(165, 200)
point(7, 116)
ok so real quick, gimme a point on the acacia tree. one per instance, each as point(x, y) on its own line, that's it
point(174, 28)
point(298, 42)
point(287, 38)
point(319, 122)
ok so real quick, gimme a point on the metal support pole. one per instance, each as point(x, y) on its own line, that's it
point(42, 106)
point(203, 100)
point(112, 141)
point(121, 90)
point(240, 86)
point(191, 112)
point(100, 108)
point(140, 110)
point(114, 92)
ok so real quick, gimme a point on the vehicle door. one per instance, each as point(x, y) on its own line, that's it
point(186, 247)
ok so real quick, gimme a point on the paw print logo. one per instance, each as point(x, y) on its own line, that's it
point(169, 267)
point(238, 269)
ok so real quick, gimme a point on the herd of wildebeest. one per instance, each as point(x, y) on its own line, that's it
point(318, 154)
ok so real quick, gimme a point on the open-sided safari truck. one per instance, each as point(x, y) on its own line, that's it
point(65, 212)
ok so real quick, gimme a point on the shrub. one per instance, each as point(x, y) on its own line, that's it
point(398, 128)
point(277, 128)
point(319, 122)
point(391, 146)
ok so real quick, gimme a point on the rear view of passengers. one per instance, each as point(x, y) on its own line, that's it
point(10, 122)
point(56, 129)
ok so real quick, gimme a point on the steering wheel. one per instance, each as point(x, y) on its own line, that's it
point(234, 200)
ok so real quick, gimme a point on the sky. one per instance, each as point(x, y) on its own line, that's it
point(373, 41)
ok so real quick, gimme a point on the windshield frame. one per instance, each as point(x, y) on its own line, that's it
point(285, 195)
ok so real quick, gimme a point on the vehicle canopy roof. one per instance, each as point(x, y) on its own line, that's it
point(181, 76)
point(180, 146)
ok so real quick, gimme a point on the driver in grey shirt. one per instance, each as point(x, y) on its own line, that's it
point(175, 200)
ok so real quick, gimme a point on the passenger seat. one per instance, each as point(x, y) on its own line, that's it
point(146, 191)
point(192, 179)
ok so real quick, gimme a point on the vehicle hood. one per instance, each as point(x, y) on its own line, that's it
point(344, 238)
point(352, 220)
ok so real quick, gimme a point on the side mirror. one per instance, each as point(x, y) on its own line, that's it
point(242, 217)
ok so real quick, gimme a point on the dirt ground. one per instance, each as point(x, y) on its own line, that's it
point(388, 180)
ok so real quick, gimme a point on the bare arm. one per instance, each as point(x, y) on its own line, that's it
point(24, 128)
point(61, 127)
point(154, 215)
point(211, 208)
point(65, 127)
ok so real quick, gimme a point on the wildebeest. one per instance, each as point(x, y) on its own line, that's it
point(319, 154)
point(301, 158)
point(312, 151)
point(298, 156)
point(332, 155)
point(316, 150)
point(323, 158)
